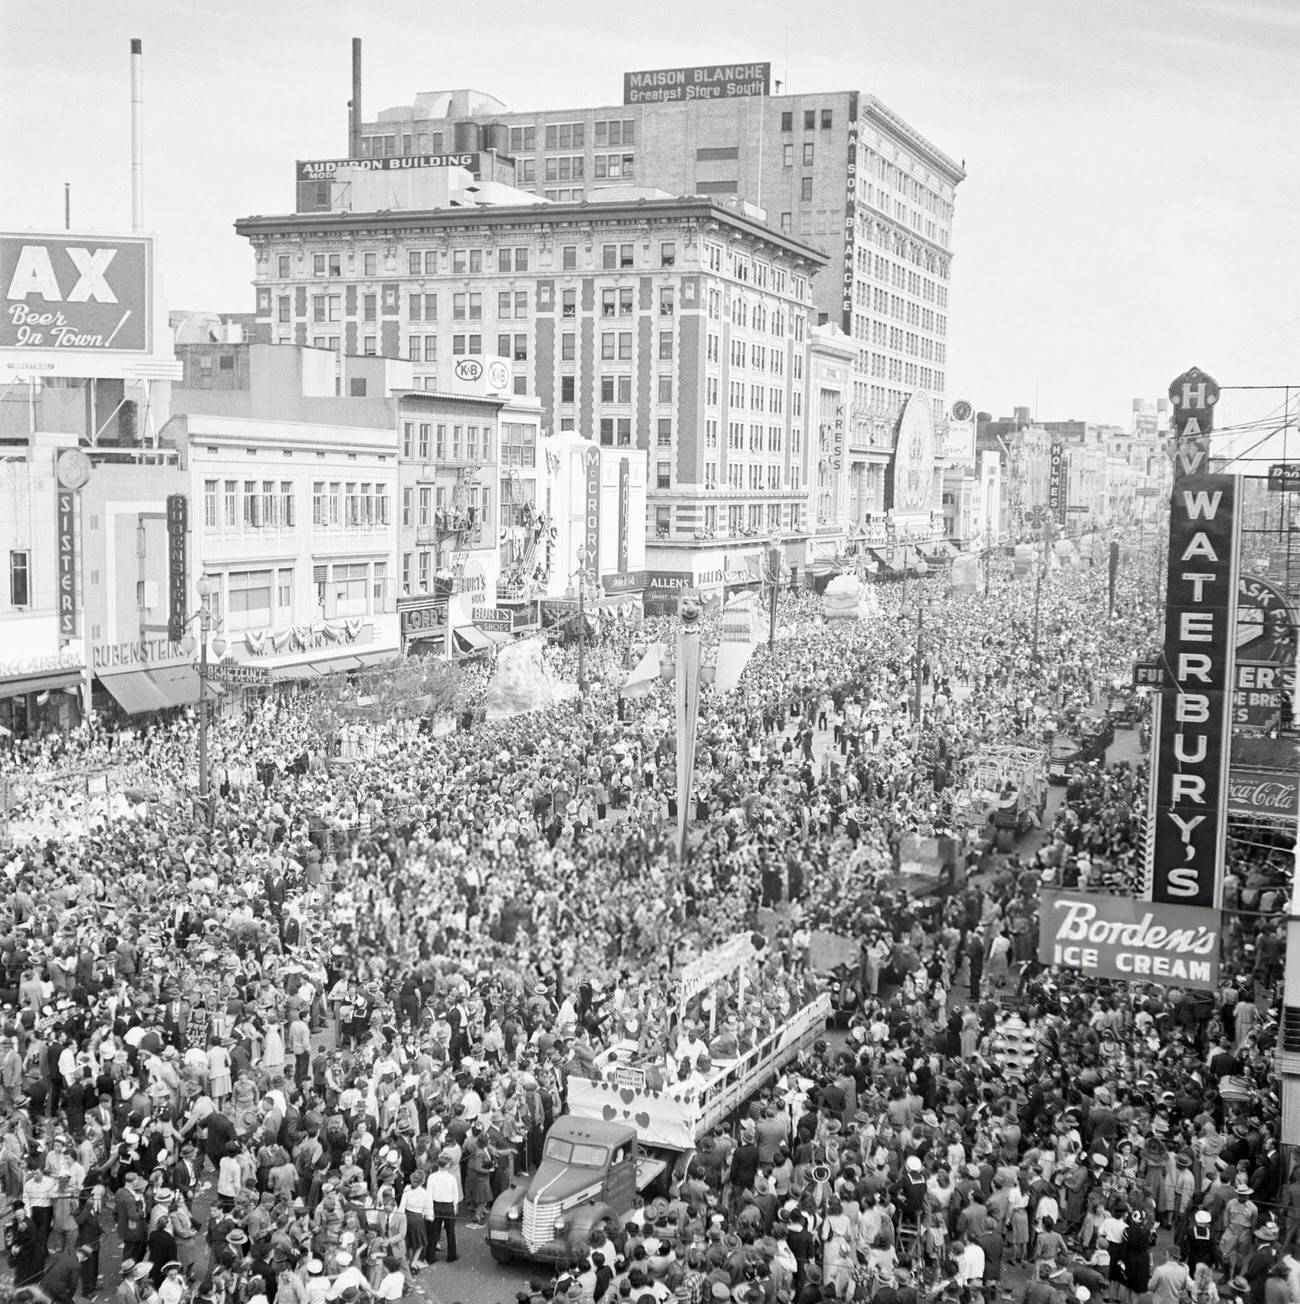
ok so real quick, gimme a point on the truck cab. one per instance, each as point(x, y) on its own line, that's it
point(589, 1173)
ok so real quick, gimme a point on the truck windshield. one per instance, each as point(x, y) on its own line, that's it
point(575, 1152)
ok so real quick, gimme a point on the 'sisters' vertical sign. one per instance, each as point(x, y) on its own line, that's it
point(66, 509)
point(177, 525)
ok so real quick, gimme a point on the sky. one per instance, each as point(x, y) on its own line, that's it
point(1130, 208)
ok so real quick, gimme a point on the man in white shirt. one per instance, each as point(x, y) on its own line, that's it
point(443, 1195)
point(350, 1277)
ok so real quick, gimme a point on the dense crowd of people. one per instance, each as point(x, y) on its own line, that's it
point(284, 1047)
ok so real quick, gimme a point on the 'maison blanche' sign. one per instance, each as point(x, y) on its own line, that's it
point(722, 81)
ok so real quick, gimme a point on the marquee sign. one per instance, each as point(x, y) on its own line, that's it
point(591, 505)
point(1191, 780)
point(850, 217)
point(177, 525)
point(65, 502)
point(1056, 495)
point(1120, 938)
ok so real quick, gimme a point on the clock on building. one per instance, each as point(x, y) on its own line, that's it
point(73, 468)
point(961, 410)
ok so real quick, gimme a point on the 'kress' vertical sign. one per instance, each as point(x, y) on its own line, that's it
point(65, 503)
point(177, 525)
point(1190, 792)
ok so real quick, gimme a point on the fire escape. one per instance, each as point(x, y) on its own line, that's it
point(459, 523)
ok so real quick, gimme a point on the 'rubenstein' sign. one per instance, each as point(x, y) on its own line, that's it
point(724, 81)
point(1118, 937)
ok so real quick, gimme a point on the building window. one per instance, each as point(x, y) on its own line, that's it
point(569, 303)
point(568, 346)
point(348, 589)
point(569, 258)
point(523, 140)
point(805, 190)
point(665, 433)
point(665, 389)
point(808, 148)
point(809, 119)
point(282, 308)
point(666, 345)
point(209, 504)
point(566, 389)
point(663, 475)
point(369, 307)
point(787, 156)
point(668, 253)
point(288, 517)
point(424, 572)
point(248, 600)
point(20, 588)
point(667, 301)
point(787, 122)
point(282, 266)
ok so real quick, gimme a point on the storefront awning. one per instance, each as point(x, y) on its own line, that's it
point(20, 685)
point(137, 691)
point(473, 639)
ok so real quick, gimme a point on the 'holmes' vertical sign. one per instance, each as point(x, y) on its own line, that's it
point(177, 525)
point(1190, 788)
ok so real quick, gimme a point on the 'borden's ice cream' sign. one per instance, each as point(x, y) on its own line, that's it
point(1119, 937)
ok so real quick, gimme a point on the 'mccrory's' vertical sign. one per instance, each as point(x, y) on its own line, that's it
point(1190, 791)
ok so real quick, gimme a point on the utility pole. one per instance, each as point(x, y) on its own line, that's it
point(774, 564)
point(1038, 597)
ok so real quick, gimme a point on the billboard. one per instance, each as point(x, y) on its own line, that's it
point(1266, 654)
point(1271, 794)
point(1193, 741)
point(719, 81)
point(1119, 938)
point(70, 294)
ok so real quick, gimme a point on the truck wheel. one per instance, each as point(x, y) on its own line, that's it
point(500, 1253)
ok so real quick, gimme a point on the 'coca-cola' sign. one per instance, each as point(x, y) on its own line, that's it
point(1262, 792)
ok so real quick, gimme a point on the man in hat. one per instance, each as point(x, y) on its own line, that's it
point(1170, 1282)
point(63, 1274)
point(1261, 1260)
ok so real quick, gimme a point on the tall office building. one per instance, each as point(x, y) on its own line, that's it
point(838, 170)
point(680, 327)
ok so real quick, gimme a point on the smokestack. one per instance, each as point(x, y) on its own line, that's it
point(137, 134)
point(354, 117)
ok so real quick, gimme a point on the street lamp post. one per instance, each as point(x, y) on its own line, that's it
point(583, 558)
point(1038, 596)
point(774, 565)
point(918, 608)
point(207, 622)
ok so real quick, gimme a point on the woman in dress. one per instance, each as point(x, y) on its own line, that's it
point(219, 1082)
point(1136, 1251)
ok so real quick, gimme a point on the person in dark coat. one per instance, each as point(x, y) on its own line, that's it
point(63, 1276)
point(27, 1251)
point(1136, 1251)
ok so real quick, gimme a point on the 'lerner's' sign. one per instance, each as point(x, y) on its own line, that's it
point(1118, 937)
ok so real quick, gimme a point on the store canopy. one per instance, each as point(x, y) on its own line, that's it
point(137, 691)
point(473, 639)
point(20, 685)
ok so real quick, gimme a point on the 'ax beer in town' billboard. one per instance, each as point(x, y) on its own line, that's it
point(76, 294)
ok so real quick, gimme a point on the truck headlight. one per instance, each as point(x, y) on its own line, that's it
point(513, 1213)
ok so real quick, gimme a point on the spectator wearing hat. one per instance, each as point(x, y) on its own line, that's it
point(1240, 1215)
point(1263, 1256)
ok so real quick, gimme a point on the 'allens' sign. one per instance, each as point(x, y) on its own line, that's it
point(75, 293)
